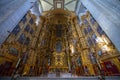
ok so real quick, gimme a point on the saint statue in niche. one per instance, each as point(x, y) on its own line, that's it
point(13, 51)
point(58, 46)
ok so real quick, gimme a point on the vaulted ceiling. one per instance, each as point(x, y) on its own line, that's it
point(52, 4)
